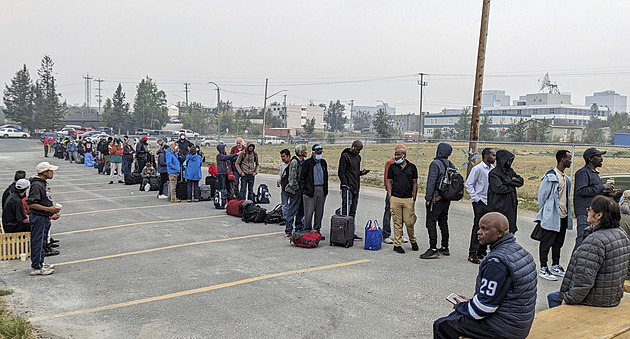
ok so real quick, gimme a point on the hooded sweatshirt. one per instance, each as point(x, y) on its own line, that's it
point(502, 184)
point(224, 160)
point(247, 161)
point(349, 170)
point(437, 169)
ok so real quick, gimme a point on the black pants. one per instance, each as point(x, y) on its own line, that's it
point(437, 213)
point(455, 325)
point(479, 209)
point(553, 240)
point(163, 180)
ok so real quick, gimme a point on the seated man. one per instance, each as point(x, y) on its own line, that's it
point(505, 294)
point(148, 174)
point(14, 219)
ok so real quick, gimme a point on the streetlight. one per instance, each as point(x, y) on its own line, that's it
point(218, 111)
point(262, 146)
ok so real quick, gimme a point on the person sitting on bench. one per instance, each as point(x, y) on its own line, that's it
point(14, 218)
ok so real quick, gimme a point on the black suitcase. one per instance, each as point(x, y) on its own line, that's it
point(181, 190)
point(342, 230)
point(133, 178)
point(212, 182)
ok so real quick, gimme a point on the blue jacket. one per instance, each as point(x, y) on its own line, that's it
point(193, 167)
point(549, 202)
point(161, 164)
point(436, 169)
point(172, 162)
point(224, 160)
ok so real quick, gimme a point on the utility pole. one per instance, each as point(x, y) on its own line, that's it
point(481, 59)
point(262, 146)
point(186, 84)
point(284, 108)
point(422, 83)
point(88, 92)
point(351, 106)
point(99, 96)
point(218, 112)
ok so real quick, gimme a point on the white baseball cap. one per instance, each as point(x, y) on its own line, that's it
point(45, 166)
point(22, 184)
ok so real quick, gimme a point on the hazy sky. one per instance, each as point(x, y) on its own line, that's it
point(320, 50)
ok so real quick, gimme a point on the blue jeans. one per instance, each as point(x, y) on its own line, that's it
point(126, 167)
point(284, 197)
point(221, 179)
point(349, 202)
point(553, 299)
point(295, 211)
point(247, 186)
point(39, 238)
point(193, 185)
point(387, 219)
point(581, 225)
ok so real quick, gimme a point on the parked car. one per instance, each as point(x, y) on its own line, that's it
point(175, 121)
point(106, 130)
point(207, 141)
point(296, 139)
point(66, 131)
point(12, 133)
point(271, 140)
point(19, 128)
point(89, 134)
point(189, 133)
point(168, 135)
point(49, 134)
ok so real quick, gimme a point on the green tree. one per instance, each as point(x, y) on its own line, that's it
point(540, 130)
point(48, 109)
point(361, 119)
point(309, 126)
point(437, 134)
point(149, 106)
point(616, 122)
point(517, 130)
point(116, 113)
point(485, 131)
point(594, 133)
point(381, 124)
point(196, 119)
point(462, 126)
point(18, 100)
point(334, 116)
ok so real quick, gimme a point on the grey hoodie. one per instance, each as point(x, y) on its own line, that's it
point(247, 162)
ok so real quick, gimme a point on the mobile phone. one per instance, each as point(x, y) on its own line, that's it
point(453, 298)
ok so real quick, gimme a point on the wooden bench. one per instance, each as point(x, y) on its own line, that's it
point(572, 321)
point(14, 244)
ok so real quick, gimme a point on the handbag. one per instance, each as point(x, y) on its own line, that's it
point(373, 236)
point(537, 232)
point(231, 177)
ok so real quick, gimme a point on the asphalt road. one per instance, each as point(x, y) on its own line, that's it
point(133, 266)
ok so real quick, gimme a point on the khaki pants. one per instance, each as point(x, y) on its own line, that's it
point(172, 186)
point(403, 210)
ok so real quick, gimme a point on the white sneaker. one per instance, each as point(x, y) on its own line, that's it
point(405, 240)
point(388, 240)
point(557, 270)
point(147, 187)
point(42, 271)
point(545, 274)
point(162, 196)
point(51, 266)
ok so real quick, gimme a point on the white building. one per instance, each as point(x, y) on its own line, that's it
point(615, 102)
point(296, 116)
point(173, 111)
point(494, 98)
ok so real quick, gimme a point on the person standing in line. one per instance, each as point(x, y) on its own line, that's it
point(163, 170)
point(192, 174)
point(402, 190)
point(88, 146)
point(477, 186)
point(295, 209)
point(116, 157)
point(437, 208)
point(283, 180)
point(223, 164)
point(41, 212)
point(314, 184)
point(587, 186)
point(554, 215)
point(128, 153)
point(46, 139)
point(142, 154)
point(387, 215)
point(236, 150)
point(173, 168)
point(19, 174)
point(184, 144)
point(72, 150)
point(349, 173)
point(247, 165)
point(502, 184)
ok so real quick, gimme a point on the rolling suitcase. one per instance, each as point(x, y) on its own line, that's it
point(206, 192)
point(342, 230)
point(181, 190)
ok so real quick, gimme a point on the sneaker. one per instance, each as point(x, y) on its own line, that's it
point(189, 200)
point(444, 251)
point(287, 235)
point(195, 200)
point(147, 187)
point(111, 182)
point(162, 196)
point(51, 266)
point(53, 241)
point(388, 240)
point(356, 237)
point(121, 182)
point(54, 245)
point(414, 246)
point(41, 271)
point(557, 270)
point(176, 200)
point(545, 274)
point(399, 249)
point(405, 240)
point(431, 253)
point(474, 259)
point(51, 253)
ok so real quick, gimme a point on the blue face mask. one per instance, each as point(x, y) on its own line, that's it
point(400, 161)
point(318, 157)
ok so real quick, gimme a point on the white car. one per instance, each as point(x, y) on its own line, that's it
point(66, 131)
point(271, 140)
point(12, 133)
point(189, 134)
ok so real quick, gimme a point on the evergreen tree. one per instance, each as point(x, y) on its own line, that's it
point(116, 114)
point(334, 116)
point(541, 130)
point(462, 126)
point(149, 106)
point(48, 109)
point(594, 133)
point(18, 100)
point(309, 126)
point(437, 134)
point(361, 120)
point(381, 124)
point(517, 130)
point(196, 119)
point(485, 132)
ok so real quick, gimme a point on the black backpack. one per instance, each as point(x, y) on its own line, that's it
point(253, 213)
point(450, 185)
point(262, 197)
point(275, 216)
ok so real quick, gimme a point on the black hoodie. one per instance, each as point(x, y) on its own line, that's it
point(437, 169)
point(502, 184)
point(349, 171)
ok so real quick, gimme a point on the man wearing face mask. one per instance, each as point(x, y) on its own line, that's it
point(183, 144)
point(350, 172)
point(402, 189)
point(502, 184)
point(314, 184)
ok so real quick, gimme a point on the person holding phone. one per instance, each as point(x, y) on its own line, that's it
point(505, 293)
point(350, 172)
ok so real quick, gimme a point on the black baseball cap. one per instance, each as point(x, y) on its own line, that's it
point(317, 148)
point(591, 152)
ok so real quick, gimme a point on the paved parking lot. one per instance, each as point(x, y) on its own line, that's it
point(133, 266)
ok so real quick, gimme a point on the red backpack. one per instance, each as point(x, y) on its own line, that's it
point(235, 208)
point(308, 239)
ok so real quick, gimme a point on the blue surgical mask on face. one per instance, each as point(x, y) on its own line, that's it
point(318, 157)
point(399, 161)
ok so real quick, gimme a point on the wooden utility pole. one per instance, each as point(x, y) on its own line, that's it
point(481, 59)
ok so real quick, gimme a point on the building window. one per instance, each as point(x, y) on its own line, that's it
point(519, 111)
point(450, 121)
point(535, 111)
point(552, 111)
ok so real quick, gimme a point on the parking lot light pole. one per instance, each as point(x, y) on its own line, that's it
point(218, 111)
